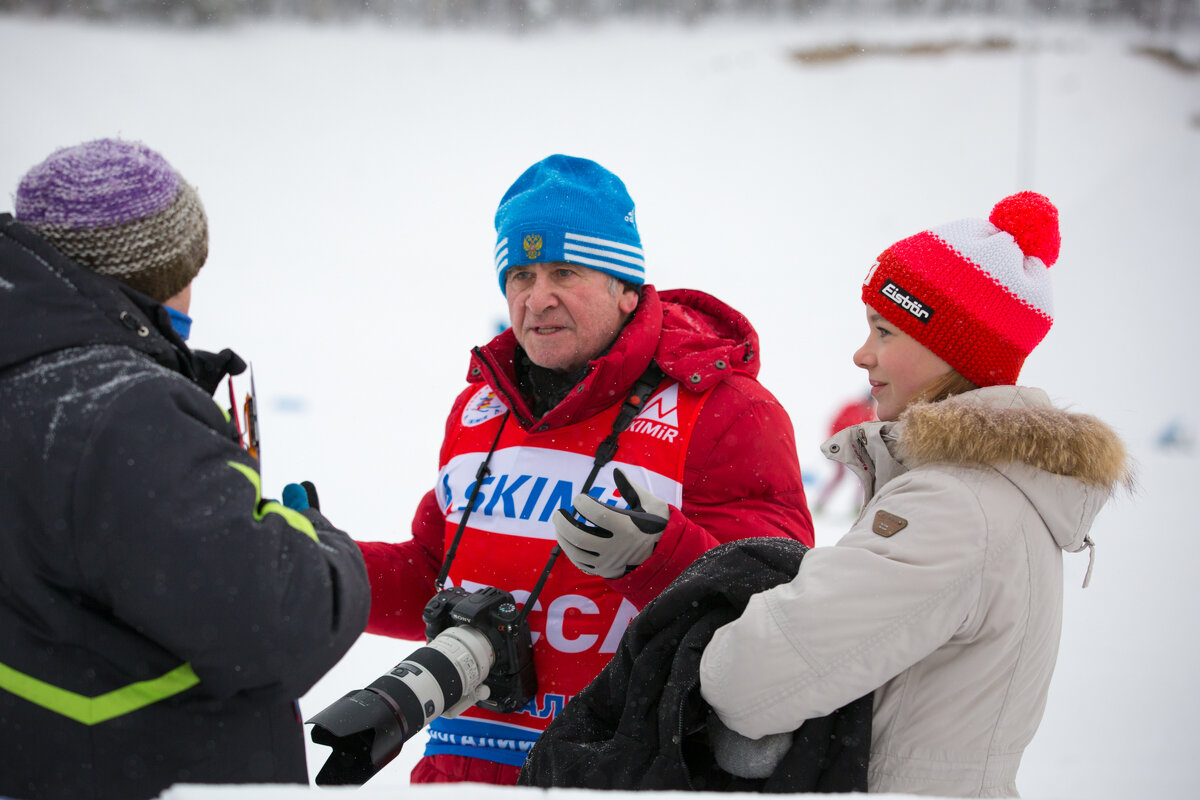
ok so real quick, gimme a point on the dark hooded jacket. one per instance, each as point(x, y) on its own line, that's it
point(158, 617)
point(641, 724)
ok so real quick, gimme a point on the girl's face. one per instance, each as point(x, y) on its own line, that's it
point(898, 366)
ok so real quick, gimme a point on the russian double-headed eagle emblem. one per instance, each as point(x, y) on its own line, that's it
point(532, 245)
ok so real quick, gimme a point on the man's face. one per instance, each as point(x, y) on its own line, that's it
point(565, 315)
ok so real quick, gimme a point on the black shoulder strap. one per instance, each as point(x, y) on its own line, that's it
point(484, 470)
point(643, 387)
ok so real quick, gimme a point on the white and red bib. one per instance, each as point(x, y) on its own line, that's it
point(577, 621)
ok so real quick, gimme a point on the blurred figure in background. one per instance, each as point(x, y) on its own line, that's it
point(159, 618)
point(854, 412)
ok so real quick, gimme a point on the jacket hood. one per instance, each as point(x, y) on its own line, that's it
point(703, 339)
point(49, 303)
point(1066, 464)
point(1011, 424)
point(694, 337)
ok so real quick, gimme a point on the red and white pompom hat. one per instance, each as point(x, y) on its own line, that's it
point(975, 292)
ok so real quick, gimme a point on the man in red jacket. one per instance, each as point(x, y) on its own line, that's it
point(542, 408)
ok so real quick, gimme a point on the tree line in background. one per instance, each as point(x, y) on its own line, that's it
point(1159, 14)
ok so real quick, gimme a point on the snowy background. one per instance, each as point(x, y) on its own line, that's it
point(350, 174)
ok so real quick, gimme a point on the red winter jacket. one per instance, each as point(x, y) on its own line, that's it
point(741, 475)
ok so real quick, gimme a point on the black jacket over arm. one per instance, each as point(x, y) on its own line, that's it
point(641, 724)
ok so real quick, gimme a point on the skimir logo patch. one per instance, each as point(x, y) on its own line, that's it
point(483, 406)
point(532, 244)
point(660, 417)
point(912, 305)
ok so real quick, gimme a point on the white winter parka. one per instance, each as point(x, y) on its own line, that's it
point(945, 596)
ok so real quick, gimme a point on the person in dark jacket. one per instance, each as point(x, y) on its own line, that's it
point(159, 618)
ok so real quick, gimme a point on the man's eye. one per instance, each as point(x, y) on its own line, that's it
point(883, 332)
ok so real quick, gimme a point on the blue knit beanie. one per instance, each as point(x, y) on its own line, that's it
point(573, 210)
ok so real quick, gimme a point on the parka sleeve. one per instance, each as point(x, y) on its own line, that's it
point(741, 480)
point(176, 540)
point(402, 574)
point(856, 615)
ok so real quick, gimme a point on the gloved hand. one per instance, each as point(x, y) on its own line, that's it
point(742, 756)
point(618, 539)
point(301, 496)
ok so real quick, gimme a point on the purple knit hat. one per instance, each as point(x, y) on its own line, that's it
point(120, 209)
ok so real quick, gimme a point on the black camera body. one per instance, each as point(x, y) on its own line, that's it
point(475, 639)
point(493, 612)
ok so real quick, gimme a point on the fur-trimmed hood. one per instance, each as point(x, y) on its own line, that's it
point(1001, 425)
point(1067, 464)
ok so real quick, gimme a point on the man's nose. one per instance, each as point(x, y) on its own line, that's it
point(541, 296)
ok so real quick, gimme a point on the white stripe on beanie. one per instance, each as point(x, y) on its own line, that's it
point(604, 242)
point(501, 255)
point(996, 253)
point(607, 266)
point(605, 254)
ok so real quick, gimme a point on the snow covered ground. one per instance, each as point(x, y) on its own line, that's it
point(350, 176)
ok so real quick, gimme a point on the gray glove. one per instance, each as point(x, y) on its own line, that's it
point(745, 757)
point(618, 539)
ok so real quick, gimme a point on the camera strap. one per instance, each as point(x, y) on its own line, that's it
point(642, 388)
point(480, 474)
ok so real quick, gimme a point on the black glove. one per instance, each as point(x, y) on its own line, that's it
point(211, 368)
point(618, 539)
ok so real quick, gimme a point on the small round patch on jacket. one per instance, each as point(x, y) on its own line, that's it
point(887, 524)
point(483, 406)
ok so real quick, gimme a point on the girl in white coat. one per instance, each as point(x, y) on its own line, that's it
point(945, 597)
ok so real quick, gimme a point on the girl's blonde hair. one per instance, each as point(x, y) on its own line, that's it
point(948, 385)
